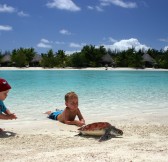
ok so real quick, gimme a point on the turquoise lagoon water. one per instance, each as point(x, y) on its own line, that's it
point(101, 93)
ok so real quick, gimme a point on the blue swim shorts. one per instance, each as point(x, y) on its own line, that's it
point(54, 115)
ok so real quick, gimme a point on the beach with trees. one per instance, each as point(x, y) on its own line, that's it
point(89, 56)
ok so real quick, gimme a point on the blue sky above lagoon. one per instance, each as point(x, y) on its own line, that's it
point(71, 24)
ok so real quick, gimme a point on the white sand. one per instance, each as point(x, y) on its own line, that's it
point(145, 139)
point(69, 68)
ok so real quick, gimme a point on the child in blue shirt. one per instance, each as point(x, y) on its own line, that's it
point(5, 113)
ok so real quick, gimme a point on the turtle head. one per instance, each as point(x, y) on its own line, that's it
point(115, 131)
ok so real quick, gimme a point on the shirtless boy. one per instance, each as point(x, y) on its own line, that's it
point(68, 115)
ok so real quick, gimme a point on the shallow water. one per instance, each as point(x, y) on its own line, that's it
point(102, 94)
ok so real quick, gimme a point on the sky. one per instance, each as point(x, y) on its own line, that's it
point(69, 25)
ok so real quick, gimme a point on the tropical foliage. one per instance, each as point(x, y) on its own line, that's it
point(89, 56)
point(22, 57)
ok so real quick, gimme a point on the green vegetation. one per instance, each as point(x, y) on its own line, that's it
point(89, 56)
point(22, 57)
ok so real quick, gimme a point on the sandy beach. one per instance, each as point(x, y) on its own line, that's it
point(89, 68)
point(145, 139)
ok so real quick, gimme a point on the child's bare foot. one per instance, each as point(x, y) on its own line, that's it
point(48, 112)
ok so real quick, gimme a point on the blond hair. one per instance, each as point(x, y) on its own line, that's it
point(70, 95)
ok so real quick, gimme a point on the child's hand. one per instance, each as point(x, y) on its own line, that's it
point(80, 123)
point(12, 116)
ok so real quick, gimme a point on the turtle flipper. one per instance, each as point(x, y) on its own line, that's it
point(105, 136)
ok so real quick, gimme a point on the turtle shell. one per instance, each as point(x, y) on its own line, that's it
point(96, 129)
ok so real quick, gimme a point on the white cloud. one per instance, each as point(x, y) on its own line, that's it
point(105, 3)
point(45, 40)
point(5, 27)
point(71, 52)
point(112, 40)
point(98, 8)
point(9, 9)
point(58, 42)
point(63, 5)
point(165, 48)
point(119, 3)
point(44, 43)
point(5, 8)
point(22, 14)
point(125, 44)
point(65, 32)
point(163, 39)
point(90, 7)
point(75, 45)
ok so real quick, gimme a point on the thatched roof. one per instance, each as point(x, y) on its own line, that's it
point(107, 59)
point(6, 58)
point(146, 57)
point(37, 58)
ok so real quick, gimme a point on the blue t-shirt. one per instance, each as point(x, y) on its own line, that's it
point(2, 107)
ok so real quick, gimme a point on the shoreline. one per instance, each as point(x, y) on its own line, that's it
point(89, 68)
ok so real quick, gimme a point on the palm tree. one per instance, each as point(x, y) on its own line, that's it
point(61, 58)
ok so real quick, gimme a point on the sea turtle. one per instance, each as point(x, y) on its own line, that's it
point(103, 129)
